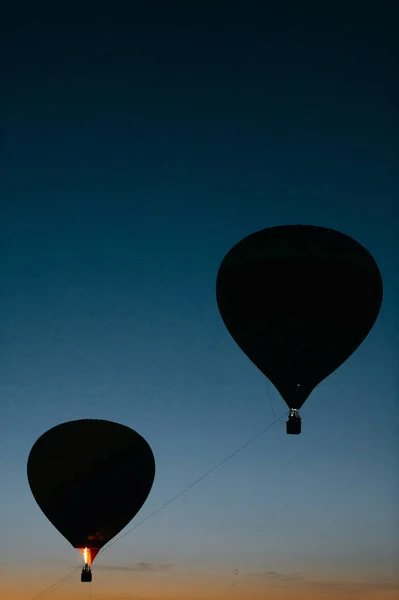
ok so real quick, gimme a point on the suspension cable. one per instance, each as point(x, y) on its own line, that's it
point(191, 485)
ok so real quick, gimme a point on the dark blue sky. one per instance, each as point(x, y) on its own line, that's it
point(137, 146)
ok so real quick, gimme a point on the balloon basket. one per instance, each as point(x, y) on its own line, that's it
point(294, 423)
point(86, 575)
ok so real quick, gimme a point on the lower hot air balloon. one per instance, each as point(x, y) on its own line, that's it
point(90, 478)
point(298, 300)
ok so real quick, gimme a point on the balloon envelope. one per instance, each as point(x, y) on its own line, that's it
point(90, 478)
point(298, 300)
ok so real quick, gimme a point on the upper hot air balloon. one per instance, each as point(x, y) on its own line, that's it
point(90, 478)
point(298, 300)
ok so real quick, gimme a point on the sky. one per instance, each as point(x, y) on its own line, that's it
point(138, 143)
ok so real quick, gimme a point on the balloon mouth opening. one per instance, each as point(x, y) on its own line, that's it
point(294, 413)
point(89, 554)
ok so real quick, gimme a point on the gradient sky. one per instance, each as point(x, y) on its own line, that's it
point(138, 146)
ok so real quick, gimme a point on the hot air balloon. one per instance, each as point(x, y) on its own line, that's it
point(298, 300)
point(90, 478)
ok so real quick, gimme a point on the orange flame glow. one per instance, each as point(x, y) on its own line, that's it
point(86, 555)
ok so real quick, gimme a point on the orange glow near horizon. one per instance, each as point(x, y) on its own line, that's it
point(184, 585)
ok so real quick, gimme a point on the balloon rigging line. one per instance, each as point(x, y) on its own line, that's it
point(183, 491)
point(271, 403)
point(55, 585)
point(219, 464)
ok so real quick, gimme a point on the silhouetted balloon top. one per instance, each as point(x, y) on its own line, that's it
point(298, 300)
point(90, 478)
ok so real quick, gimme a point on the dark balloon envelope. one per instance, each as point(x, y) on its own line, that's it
point(90, 478)
point(298, 300)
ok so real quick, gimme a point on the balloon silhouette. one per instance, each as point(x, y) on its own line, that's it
point(90, 478)
point(298, 300)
